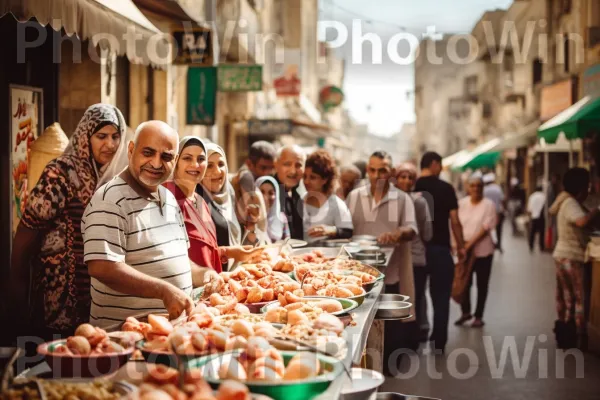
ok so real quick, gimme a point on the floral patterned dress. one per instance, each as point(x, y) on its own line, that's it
point(61, 283)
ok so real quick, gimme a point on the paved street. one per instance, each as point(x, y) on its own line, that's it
point(521, 308)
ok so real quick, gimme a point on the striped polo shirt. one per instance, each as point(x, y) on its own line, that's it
point(147, 233)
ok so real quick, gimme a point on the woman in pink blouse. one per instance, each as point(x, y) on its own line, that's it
point(478, 218)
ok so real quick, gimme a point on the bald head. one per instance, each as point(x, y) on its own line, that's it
point(153, 153)
point(289, 166)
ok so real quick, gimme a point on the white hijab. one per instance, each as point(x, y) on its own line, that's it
point(274, 222)
point(224, 200)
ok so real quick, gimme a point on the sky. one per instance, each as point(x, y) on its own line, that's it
point(376, 94)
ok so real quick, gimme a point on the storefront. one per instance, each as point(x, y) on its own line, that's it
point(59, 58)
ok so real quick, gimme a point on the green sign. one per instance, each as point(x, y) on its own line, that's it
point(240, 78)
point(201, 95)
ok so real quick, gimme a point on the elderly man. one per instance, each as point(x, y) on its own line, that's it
point(349, 179)
point(135, 242)
point(289, 170)
point(494, 192)
point(381, 210)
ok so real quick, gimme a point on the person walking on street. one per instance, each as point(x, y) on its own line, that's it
point(494, 192)
point(441, 198)
point(535, 209)
point(478, 218)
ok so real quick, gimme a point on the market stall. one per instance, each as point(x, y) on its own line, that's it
point(345, 326)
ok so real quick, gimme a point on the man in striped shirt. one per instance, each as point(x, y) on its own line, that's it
point(135, 242)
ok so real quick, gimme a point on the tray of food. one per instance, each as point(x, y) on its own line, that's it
point(306, 308)
point(282, 375)
point(89, 353)
point(249, 287)
point(60, 389)
point(195, 336)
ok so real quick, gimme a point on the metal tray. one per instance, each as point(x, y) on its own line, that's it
point(360, 238)
point(399, 396)
point(328, 252)
point(393, 309)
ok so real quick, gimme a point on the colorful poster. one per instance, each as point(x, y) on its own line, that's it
point(26, 124)
point(287, 74)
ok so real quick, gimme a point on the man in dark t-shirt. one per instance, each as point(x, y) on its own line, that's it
point(443, 205)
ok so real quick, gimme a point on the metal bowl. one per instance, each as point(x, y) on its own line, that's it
point(393, 297)
point(393, 309)
point(335, 242)
point(363, 385)
point(279, 390)
point(377, 255)
point(328, 252)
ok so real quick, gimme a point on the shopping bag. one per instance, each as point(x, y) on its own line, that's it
point(549, 242)
point(462, 274)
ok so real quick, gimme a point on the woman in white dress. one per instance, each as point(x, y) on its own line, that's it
point(326, 216)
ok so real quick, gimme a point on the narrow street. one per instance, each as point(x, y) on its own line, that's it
point(520, 308)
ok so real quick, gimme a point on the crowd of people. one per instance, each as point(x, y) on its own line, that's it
point(116, 228)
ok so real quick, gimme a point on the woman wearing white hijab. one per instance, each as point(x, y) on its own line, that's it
point(277, 224)
point(220, 196)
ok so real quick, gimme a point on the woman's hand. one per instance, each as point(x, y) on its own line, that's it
point(244, 253)
point(322, 230)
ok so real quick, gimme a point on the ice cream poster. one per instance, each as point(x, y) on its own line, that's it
point(26, 124)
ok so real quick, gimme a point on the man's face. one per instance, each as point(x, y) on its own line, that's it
point(378, 170)
point(436, 168)
point(263, 167)
point(290, 168)
point(405, 180)
point(152, 158)
point(348, 181)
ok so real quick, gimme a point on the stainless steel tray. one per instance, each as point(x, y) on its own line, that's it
point(392, 309)
point(369, 255)
point(399, 396)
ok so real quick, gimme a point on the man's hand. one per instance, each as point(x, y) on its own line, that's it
point(176, 301)
point(210, 275)
point(389, 238)
point(245, 253)
point(322, 230)
point(462, 254)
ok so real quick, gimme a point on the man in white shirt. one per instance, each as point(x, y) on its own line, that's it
point(494, 192)
point(381, 210)
point(535, 209)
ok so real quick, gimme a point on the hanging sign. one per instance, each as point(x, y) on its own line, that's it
point(201, 95)
point(240, 78)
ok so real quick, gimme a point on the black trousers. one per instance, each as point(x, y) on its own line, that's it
point(499, 226)
point(482, 267)
point(440, 272)
point(538, 225)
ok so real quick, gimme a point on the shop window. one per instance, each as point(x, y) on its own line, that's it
point(487, 110)
point(593, 37)
point(537, 71)
point(509, 66)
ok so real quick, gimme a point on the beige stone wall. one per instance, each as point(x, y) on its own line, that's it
point(80, 86)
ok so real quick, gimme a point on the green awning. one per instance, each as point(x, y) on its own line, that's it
point(481, 156)
point(485, 160)
point(577, 121)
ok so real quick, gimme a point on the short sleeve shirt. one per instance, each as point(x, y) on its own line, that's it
point(441, 199)
point(572, 240)
point(334, 212)
point(395, 210)
point(147, 234)
point(474, 218)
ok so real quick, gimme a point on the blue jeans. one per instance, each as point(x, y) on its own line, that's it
point(440, 271)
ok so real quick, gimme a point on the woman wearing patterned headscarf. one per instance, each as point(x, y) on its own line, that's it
point(49, 234)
